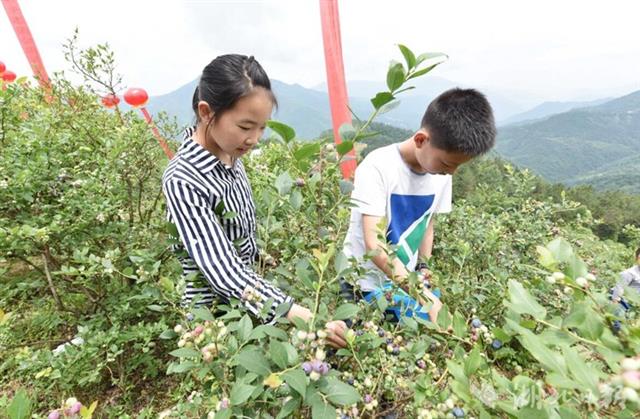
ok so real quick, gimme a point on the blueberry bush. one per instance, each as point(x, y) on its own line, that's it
point(90, 324)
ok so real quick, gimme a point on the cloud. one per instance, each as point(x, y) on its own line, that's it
point(555, 50)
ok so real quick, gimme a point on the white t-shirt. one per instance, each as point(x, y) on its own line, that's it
point(384, 186)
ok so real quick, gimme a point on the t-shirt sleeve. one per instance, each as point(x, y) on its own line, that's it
point(369, 195)
point(444, 203)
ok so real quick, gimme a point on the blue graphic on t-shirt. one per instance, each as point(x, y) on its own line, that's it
point(405, 210)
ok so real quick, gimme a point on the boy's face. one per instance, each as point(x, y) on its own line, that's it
point(434, 160)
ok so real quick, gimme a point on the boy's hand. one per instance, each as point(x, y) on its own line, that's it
point(436, 305)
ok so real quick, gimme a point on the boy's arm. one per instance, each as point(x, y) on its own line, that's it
point(427, 242)
point(381, 259)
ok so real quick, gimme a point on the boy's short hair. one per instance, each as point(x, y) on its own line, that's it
point(637, 252)
point(461, 120)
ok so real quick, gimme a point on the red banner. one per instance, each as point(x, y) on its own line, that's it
point(338, 98)
point(26, 40)
point(156, 133)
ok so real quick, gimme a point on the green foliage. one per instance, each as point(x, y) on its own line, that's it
point(89, 299)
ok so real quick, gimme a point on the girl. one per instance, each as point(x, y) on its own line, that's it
point(206, 179)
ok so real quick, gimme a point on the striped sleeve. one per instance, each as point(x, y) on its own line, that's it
point(216, 257)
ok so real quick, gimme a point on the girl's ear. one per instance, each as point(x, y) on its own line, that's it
point(204, 111)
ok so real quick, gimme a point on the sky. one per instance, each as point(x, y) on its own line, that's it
point(546, 50)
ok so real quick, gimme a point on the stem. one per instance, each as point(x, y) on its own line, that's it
point(573, 335)
point(50, 281)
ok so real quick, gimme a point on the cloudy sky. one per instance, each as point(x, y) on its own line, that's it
point(547, 49)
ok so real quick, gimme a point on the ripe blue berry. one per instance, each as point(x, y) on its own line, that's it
point(496, 344)
point(381, 333)
point(476, 323)
point(458, 412)
point(190, 317)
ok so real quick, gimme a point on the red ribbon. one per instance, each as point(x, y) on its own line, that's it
point(26, 40)
point(156, 133)
point(338, 98)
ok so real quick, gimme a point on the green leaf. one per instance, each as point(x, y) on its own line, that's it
point(181, 367)
point(395, 75)
point(203, 313)
point(297, 380)
point(430, 55)
point(344, 147)
point(444, 318)
point(409, 56)
point(532, 343)
point(245, 326)
point(346, 311)
point(472, 362)
point(568, 412)
point(340, 393)
point(185, 353)
point(322, 410)
point(459, 325)
point(307, 151)
point(278, 354)
point(223, 414)
point(583, 373)
point(253, 360)
point(269, 330)
point(288, 408)
point(561, 250)
point(20, 407)
point(284, 183)
point(283, 130)
point(381, 99)
point(422, 72)
point(523, 302)
point(168, 335)
point(545, 258)
point(388, 107)
point(240, 393)
point(295, 200)
point(576, 267)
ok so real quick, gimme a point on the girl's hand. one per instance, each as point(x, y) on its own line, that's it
point(335, 329)
point(335, 334)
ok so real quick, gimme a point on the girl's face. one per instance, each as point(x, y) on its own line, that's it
point(237, 130)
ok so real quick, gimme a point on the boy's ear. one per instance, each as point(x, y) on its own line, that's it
point(204, 111)
point(421, 137)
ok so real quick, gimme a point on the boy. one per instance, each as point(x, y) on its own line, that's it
point(629, 278)
point(405, 184)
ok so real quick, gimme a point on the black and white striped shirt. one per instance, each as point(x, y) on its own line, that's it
point(212, 207)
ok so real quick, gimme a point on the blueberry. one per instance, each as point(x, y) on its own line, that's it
point(389, 341)
point(307, 368)
point(396, 350)
point(458, 412)
point(359, 332)
point(381, 333)
point(350, 381)
point(496, 344)
point(190, 317)
point(616, 326)
point(476, 323)
point(421, 364)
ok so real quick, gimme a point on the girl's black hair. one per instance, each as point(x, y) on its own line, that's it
point(228, 78)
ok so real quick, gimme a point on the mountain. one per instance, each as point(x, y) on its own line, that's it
point(307, 110)
point(414, 102)
point(549, 108)
point(599, 145)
